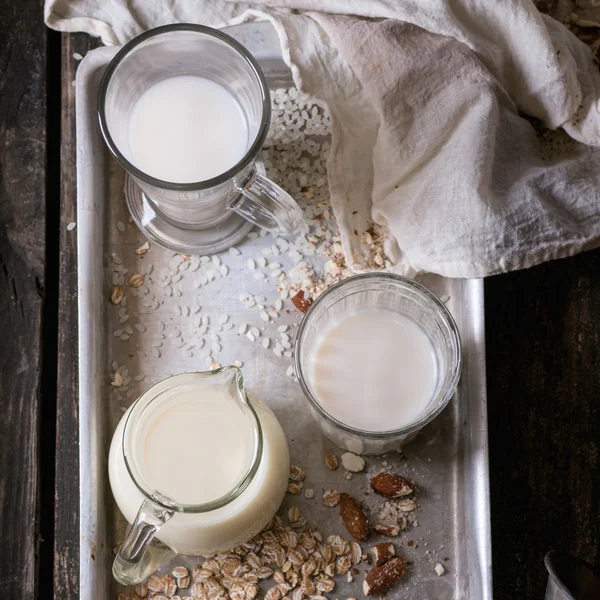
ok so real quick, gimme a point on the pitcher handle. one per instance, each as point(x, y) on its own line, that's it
point(140, 554)
point(265, 204)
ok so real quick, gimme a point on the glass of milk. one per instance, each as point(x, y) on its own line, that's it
point(185, 109)
point(196, 467)
point(378, 357)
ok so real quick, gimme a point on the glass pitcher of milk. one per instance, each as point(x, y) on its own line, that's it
point(185, 109)
point(196, 467)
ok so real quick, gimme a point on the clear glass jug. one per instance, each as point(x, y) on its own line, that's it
point(163, 526)
point(205, 216)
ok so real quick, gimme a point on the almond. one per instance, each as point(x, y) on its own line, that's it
point(354, 517)
point(391, 485)
point(380, 579)
point(382, 552)
point(300, 302)
point(387, 529)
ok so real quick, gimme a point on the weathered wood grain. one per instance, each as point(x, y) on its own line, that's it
point(66, 508)
point(543, 373)
point(22, 245)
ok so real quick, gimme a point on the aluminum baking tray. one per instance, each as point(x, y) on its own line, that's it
point(448, 461)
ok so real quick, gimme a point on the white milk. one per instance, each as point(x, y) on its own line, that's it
point(182, 441)
point(184, 454)
point(187, 129)
point(374, 370)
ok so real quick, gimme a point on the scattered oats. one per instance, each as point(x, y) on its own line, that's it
point(259, 275)
point(264, 316)
point(266, 342)
point(196, 309)
point(309, 493)
point(282, 328)
point(116, 259)
point(331, 498)
point(214, 365)
point(285, 337)
point(290, 371)
point(224, 270)
point(239, 364)
point(251, 264)
point(279, 305)
point(224, 319)
point(121, 226)
point(297, 473)
point(294, 514)
point(251, 336)
point(242, 329)
point(206, 320)
point(118, 332)
point(444, 299)
point(295, 487)
point(218, 348)
point(116, 295)
point(234, 251)
point(228, 326)
point(287, 354)
point(252, 235)
point(71, 226)
point(276, 273)
point(216, 260)
point(143, 249)
point(124, 319)
point(332, 462)
point(140, 377)
point(262, 262)
point(77, 56)
point(439, 569)
point(156, 352)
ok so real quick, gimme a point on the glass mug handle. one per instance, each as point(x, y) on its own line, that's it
point(140, 554)
point(265, 204)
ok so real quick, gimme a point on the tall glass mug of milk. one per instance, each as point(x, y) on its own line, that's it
point(185, 109)
point(196, 467)
point(378, 357)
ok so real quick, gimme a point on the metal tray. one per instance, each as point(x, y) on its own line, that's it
point(448, 461)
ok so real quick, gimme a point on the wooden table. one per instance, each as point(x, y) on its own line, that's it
point(543, 356)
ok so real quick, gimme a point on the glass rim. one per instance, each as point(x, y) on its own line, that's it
point(252, 151)
point(438, 402)
point(150, 396)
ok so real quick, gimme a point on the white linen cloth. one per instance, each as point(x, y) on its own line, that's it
point(425, 98)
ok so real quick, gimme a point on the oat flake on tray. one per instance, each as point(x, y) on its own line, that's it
point(168, 316)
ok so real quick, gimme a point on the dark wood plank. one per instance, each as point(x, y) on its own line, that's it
point(543, 373)
point(66, 515)
point(22, 248)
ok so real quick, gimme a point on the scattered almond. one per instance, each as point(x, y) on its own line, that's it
point(354, 517)
point(331, 498)
point(382, 552)
point(332, 462)
point(300, 302)
point(352, 462)
point(137, 280)
point(387, 529)
point(391, 485)
point(116, 294)
point(380, 579)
